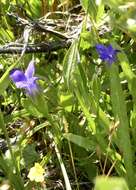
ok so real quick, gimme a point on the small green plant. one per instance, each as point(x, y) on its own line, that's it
point(67, 91)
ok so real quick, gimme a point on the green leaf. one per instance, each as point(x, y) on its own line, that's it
point(30, 155)
point(113, 3)
point(96, 85)
point(85, 109)
point(90, 7)
point(67, 101)
point(30, 108)
point(40, 104)
point(128, 73)
point(69, 63)
point(120, 114)
point(100, 12)
point(83, 142)
point(112, 183)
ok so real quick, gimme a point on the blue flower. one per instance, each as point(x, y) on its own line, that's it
point(107, 54)
point(25, 80)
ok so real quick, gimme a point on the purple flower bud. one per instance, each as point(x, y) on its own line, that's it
point(25, 80)
point(108, 53)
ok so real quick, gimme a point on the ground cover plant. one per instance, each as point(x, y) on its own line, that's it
point(67, 94)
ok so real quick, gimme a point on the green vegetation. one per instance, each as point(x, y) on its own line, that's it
point(67, 94)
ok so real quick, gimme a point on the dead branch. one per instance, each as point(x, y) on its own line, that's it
point(17, 48)
point(62, 29)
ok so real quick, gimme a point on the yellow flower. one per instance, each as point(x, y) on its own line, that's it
point(36, 173)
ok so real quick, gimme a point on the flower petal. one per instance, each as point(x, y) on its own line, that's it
point(107, 54)
point(17, 75)
point(36, 173)
point(32, 88)
point(100, 48)
point(21, 85)
point(30, 70)
point(26, 80)
point(110, 49)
